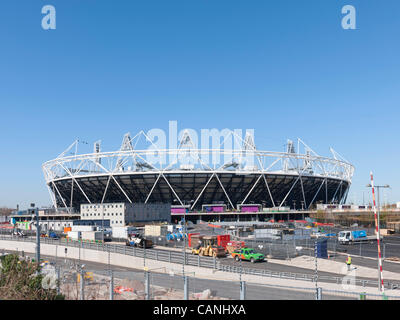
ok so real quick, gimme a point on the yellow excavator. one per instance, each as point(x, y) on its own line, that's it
point(208, 247)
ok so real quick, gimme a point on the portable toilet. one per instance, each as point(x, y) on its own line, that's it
point(322, 248)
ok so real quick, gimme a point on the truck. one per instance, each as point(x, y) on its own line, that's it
point(355, 236)
point(248, 254)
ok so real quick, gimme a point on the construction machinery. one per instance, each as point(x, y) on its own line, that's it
point(208, 246)
point(234, 246)
point(18, 233)
point(138, 241)
point(49, 234)
point(88, 276)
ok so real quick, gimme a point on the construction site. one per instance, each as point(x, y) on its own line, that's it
point(213, 260)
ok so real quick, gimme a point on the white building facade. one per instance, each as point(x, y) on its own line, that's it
point(122, 214)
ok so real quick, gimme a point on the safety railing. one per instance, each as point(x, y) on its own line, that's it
point(198, 261)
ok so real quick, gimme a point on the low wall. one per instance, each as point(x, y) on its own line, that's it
point(103, 257)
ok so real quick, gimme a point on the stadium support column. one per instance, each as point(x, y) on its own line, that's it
point(326, 190)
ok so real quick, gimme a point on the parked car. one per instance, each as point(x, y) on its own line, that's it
point(248, 254)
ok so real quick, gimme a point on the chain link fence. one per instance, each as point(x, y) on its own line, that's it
point(152, 285)
point(195, 260)
point(200, 261)
point(77, 281)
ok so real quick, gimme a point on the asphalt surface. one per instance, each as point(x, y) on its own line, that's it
point(219, 288)
point(275, 267)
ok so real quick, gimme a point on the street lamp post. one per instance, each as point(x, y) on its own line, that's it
point(102, 225)
point(184, 242)
point(379, 204)
point(184, 231)
point(378, 226)
point(37, 234)
point(316, 269)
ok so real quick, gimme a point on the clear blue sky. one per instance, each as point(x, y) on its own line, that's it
point(284, 68)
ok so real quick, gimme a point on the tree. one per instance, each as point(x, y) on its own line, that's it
point(20, 279)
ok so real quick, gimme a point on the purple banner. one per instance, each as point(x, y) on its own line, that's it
point(178, 210)
point(249, 209)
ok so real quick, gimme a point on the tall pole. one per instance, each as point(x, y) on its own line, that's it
point(379, 211)
point(102, 224)
point(380, 275)
point(316, 269)
point(240, 270)
point(184, 243)
point(37, 236)
point(82, 279)
point(111, 285)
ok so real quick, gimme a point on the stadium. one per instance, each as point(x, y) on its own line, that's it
point(183, 176)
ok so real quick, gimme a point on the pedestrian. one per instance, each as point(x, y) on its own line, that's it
point(348, 262)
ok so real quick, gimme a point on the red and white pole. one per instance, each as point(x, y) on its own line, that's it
point(377, 235)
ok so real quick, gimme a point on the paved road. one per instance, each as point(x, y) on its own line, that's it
point(390, 248)
point(219, 288)
point(275, 267)
point(268, 266)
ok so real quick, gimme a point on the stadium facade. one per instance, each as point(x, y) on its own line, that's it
point(184, 176)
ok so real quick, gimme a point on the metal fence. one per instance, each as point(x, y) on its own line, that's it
point(288, 249)
point(274, 249)
point(179, 257)
point(106, 284)
point(75, 280)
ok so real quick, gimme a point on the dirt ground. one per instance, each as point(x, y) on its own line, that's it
point(125, 289)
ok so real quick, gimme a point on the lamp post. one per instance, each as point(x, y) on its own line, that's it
point(184, 231)
point(102, 225)
point(316, 268)
point(184, 253)
point(378, 227)
point(379, 204)
point(36, 212)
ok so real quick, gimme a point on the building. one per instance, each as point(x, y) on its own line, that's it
point(49, 218)
point(322, 206)
point(95, 222)
point(5, 219)
point(185, 178)
point(121, 213)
